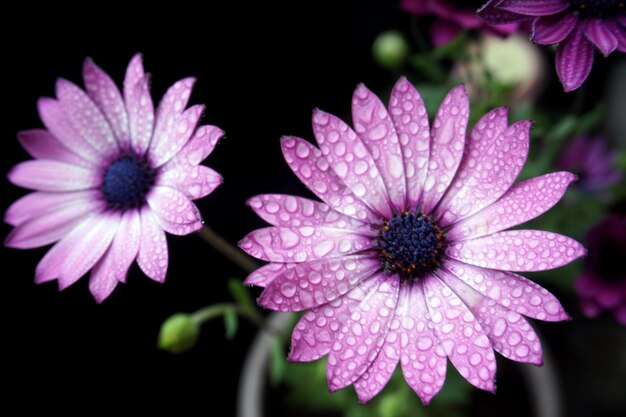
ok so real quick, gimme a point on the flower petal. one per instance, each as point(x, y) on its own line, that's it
point(78, 252)
point(46, 175)
point(549, 30)
point(443, 31)
point(352, 162)
point(461, 337)
point(492, 176)
point(375, 128)
point(172, 206)
point(350, 355)
point(518, 250)
point(134, 74)
point(510, 290)
point(195, 181)
point(288, 210)
point(302, 244)
point(41, 144)
point(534, 7)
point(493, 14)
point(86, 118)
point(113, 266)
point(574, 59)
point(509, 333)
point(37, 203)
point(169, 142)
point(307, 162)
point(200, 145)
point(481, 139)
point(448, 139)
point(410, 118)
point(140, 115)
point(53, 224)
point(423, 360)
point(382, 368)
point(262, 276)
point(312, 284)
point(57, 123)
point(103, 91)
point(521, 203)
point(152, 255)
point(600, 33)
point(315, 332)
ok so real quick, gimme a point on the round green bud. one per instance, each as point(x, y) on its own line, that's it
point(390, 49)
point(178, 333)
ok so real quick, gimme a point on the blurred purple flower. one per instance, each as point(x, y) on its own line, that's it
point(576, 26)
point(110, 177)
point(593, 162)
point(602, 286)
point(407, 260)
point(452, 16)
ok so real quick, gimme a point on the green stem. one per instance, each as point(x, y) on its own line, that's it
point(228, 250)
point(218, 310)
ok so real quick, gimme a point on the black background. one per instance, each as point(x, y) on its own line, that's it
point(261, 71)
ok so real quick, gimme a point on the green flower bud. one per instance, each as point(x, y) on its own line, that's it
point(390, 49)
point(178, 333)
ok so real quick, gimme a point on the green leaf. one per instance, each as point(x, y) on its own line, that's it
point(240, 294)
point(278, 362)
point(231, 323)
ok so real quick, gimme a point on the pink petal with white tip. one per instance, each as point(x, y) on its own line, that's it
point(55, 120)
point(350, 356)
point(171, 141)
point(351, 160)
point(53, 224)
point(307, 162)
point(574, 60)
point(195, 181)
point(448, 141)
point(509, 333)
point(493, 175)
point(315, 332)
point(140, 115)
point(312, 284)
point(521, 203)
point(288, 210)
point(152, 255)
point(375, 128)
point(482, 138)
point(41, 144)
point(113, 266)
point(423, 360)
point(510, 290)
point(47, 175)
point(78, 252)
point(518, 250)
point(134, 74)
point(35, 204)
point(461, 336)
point(173, 206)
point(199, 146)
point(410, 118)
point(86, 118)
point(302, 244)
point(103, 91)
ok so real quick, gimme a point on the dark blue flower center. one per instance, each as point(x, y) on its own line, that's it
point(599, 8)
point(411, 244)
point(127, 181)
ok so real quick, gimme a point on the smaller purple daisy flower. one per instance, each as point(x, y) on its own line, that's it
point(603, 284)
point(590, 159)
point(111, 176)
point(451, 17)
point(575, 25)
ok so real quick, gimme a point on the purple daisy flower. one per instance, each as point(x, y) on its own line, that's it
point(405, 260)
point(591, 160)
point(603, 284)
point(451, 17)
point(110, 176)
point(575, 25)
